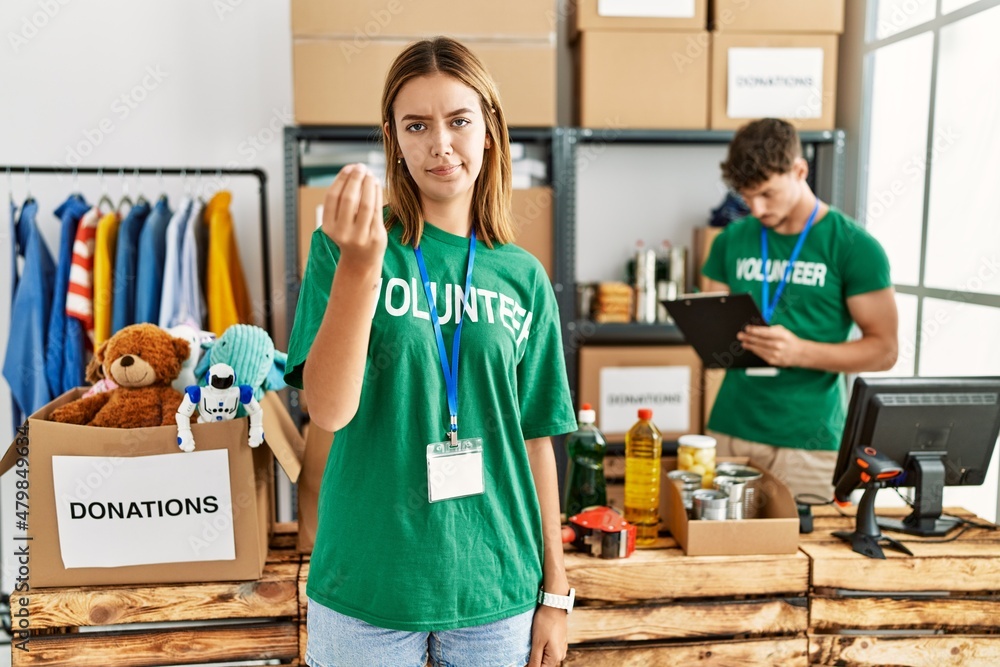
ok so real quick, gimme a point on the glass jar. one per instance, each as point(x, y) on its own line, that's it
point(697, 454)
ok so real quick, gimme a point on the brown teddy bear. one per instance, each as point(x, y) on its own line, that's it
point(142, 359)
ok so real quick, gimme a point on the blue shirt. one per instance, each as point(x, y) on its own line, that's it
point(25, 360)
point(15, 411)
point(170, 305)
point(126, 257)
point(152, 255)
point(64, 364)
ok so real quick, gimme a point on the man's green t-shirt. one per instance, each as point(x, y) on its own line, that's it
point(799, 407)
point(383, 553)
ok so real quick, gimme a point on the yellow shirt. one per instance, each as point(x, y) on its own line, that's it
point(226, 290)
point(104, 269)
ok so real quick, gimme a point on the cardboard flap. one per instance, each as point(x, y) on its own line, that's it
point(10, 456)
point(282, 437)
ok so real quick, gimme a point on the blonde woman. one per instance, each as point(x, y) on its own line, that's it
point(431, 346)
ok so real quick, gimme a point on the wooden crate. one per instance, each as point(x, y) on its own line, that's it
point(939, 607)
point(206, 622)
point(660, 606)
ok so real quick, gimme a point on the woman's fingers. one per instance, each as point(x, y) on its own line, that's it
point(347, 209)
point(366, 204)
point(377, 230)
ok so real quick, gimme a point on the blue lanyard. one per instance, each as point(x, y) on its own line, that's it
point(768, 305)
point(450, 371)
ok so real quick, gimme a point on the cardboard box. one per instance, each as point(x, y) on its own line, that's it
point(711, 382)
point(364, 20)
point(811, 16)
point(774, 531)
point(618, 381)
point(337, 83)
point(806, 96)
point(703, 239)
point(673, 15)
point(317, 443)
point(251, 487)
point(310, 199)
point(533, 213)
point(652, 80)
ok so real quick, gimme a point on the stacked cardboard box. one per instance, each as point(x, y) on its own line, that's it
point(618, 381)
point(775, 58)
point(703, 239)
point(342, 51)
point(641, 64)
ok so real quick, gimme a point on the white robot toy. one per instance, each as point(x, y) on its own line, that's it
point(217, 402)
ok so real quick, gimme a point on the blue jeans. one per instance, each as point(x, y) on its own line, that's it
point(336, 640)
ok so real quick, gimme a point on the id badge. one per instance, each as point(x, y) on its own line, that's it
point(455, 472)
point(763, 372)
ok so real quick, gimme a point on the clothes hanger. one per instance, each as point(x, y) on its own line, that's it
point(125, 198)
point(200, 186)
point(27, 187)
point(163, 185)
point(76, 184)
point(140, 198)
point(105, 198)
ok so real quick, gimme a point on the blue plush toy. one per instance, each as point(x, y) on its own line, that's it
point(250, 352)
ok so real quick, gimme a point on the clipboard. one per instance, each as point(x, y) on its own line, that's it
point(710, 323)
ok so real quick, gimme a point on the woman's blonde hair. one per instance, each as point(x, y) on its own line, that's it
point(491, 212)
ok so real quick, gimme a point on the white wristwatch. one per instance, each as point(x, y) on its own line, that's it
point(557, 601)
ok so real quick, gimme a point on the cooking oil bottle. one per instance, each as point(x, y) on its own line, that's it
point(585, 449)
point(643, 445)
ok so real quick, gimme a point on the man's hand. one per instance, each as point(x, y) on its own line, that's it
point(548, 637)
point(775, 344)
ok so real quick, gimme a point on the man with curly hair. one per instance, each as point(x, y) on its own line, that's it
point(816, 274)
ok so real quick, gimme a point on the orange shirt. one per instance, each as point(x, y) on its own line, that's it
point(226, 293)
point(104, 269)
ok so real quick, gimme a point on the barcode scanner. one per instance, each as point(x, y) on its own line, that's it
point(872, 471)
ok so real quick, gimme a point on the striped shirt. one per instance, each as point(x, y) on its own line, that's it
point(80, 293)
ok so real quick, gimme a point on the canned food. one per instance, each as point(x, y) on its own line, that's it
point(710, 504)
point(689, 483)
point(696, 453)
point(747, 476)
point(734, 488)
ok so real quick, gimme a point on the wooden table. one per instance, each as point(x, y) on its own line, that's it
point(207, 622)
point(939, 607)
point(824, 605)
point(660, 607)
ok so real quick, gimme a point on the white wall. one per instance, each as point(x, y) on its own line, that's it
point(633, 192)
point(180, 83)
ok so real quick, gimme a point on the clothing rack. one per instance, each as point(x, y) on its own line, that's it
point(197, 172)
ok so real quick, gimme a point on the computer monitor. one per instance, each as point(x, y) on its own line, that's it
point(941, 431)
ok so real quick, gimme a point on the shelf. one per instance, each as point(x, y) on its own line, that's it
point(373, 133)
point(689, 136)
point(586, 332)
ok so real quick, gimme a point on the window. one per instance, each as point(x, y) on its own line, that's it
point(931, 144)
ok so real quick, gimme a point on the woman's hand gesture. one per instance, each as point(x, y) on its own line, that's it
point(352, 216)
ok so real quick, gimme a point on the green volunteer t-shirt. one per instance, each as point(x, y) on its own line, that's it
point(383, 553)
point(799, 407)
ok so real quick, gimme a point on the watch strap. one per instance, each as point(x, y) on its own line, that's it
point(557, 601)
